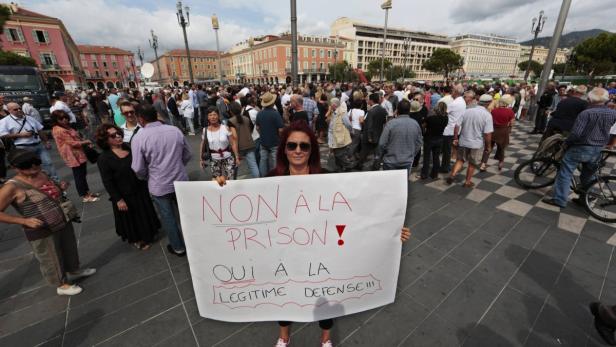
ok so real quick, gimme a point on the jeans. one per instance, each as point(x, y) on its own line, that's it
point(407, 167)
point(203, 117)
point(47, 164)
point(189, 124)
point(446, 163)
point(588, 156)
point(251, 160)
point(432, 150)
point(81, 183)
point(268, 159)
point(170, 219)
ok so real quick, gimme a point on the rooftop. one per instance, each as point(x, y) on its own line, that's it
point(194, 53)
point(91, 49)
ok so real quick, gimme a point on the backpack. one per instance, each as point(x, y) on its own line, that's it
point(551, 147)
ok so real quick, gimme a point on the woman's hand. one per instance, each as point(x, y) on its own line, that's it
point(405, 235)
point(238, 161)
point(32, 223)
point(122, 205)
point(221, 180)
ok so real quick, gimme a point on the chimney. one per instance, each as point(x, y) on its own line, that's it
point(14, 8)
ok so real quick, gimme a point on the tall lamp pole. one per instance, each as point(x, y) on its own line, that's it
point(216, 26)
point(154, 45)
point(535, 29)
point(251, 44)
point(184, 22)
point(336, 59)
point(294, 42)
point(385, 6)
point(407, 44)
point(140, 55)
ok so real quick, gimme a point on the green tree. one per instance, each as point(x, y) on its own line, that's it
point(374, 68)
point(10, 58)
point(597, 55)
point(340, 71)
point(444, 61)
point(535, 67)
point(5, 13)
point(397, 72)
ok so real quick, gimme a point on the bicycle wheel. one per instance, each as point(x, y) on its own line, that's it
point(536, 173)
point(600, 199)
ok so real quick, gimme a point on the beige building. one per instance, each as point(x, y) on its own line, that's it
point(540, 54)
point(367, 44)
point(487, 56)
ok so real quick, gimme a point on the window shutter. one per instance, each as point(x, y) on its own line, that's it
point(7, 33)
point(20, 34)
point(42, 57)
point(53, 58)
point(46, 35)
point(34, 35)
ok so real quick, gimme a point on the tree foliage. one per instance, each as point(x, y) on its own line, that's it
point(10, 58)
point(535, 67)
point(342, 72)
point(597, 55)
point(444, 61)
point(374, 68)
point(5, 13)
point(396, 72)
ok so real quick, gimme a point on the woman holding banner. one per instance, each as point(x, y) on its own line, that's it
point(298, 154)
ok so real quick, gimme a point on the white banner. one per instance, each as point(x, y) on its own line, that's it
point(294, 248)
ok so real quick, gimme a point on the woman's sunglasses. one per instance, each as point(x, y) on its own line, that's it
point(28, 164)
point(114, 135)
point(303, 146)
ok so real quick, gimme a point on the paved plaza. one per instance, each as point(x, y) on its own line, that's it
point(492, 266)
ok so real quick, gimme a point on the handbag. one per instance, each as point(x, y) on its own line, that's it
point(69, 209)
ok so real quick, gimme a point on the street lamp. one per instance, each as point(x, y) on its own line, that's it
point(385, 6)
point(407, 44)
point(336, 59)
point(185, 22)
point(535, 29)
point(216, 26)
point(154, 45)
point(140, 55)
point(251, 44)
point(294, 42)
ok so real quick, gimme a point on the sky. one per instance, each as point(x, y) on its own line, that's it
point(126, 23)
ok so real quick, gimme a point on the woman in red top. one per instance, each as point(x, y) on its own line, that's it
point(70, 146)
point(502, 118)
point(298, 154)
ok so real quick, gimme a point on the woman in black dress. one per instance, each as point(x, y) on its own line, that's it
point(135, 218)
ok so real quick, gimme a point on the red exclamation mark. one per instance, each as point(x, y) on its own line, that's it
point(340, 229)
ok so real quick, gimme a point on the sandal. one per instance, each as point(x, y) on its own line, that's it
point(468, 185)
point(145, 246)
point(483, 167)
point(500, 166)
point(89, 199)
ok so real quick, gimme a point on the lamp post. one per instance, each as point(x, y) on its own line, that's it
point(216, 26)
point(184, 22)
point(140, 55)
point(385, 6)
point(336, 59)
point(251, 44)
point(154, 45)
point(407, 44)
point(294, 42)
point(540, 23)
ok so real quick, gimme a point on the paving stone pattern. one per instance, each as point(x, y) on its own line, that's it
point(491, 266)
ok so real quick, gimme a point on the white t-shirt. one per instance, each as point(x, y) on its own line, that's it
point(219, 140)
point(128, 133)
point(475, 122)
point(354, 117)
point(455, 110)
point(187, 109)
point(252, 112)
point(59, 105)
point(11, 125)
point(399, 94)
point(388, 107)
point(29, 110)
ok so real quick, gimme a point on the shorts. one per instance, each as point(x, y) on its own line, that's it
point(472, 155)
point(223, 167)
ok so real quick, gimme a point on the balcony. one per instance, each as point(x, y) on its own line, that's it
point(310, 71)
point(49, 67)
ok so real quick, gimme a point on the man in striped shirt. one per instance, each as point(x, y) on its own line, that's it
point(589, 135)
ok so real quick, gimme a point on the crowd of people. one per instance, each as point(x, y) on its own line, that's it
point(274, 131)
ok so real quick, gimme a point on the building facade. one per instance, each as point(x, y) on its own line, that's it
point(108, 67)
point(367, 44)
point(487, 56)
point(174, 67)
point(46, 40)
point(267, 59)
point(540, 54)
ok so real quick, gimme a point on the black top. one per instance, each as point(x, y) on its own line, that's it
point(435, 125)
point(118, 177)
point(173, 107)
point(300, 115)
point(373, 126)
point(566, 112)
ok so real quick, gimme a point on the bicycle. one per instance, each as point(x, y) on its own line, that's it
point(598, 197)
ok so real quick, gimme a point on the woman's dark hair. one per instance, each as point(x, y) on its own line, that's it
point(323, 97)
point(282, 162)
point(102, 136)
point(213, 109)
point(56, 115)
point(440, 109)
point(236, 110)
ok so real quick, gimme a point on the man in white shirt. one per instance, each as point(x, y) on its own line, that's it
point(455, 109)
point(472, 134)
point(25, 132)
point(387, 106)
point(29, 110)
point(57, 104)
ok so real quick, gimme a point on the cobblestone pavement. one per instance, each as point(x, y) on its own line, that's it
point(492, 266)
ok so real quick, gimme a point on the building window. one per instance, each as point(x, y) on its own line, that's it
point(275, 50)
point(107, 73)
point(117, 73)
point(113, 58)
point(329, 53)
point(88, 73)
point(48, 59)
point(95, 64)
point(40, 36)
point(104, 64)
point(288, 51)
point(314, 66)
point(288, 65)
point(103, 57)
point(93, 56)
point(84, 63)
point(305, 52)
point(126, 58)
point(322, 53)
point(305, 65)
point(15, 35)
point(97, 74)
point(114, 64)
point(314, 53)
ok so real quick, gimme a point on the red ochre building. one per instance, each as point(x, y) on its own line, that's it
point(108, 67)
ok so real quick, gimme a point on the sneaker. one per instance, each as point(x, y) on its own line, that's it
point(72, 290)
point(174, 252)
point(80, 274)
point(281, 343)
point(191, 134)
point(89, 199)
point(327, 343)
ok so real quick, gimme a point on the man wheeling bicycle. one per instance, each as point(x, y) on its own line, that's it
point(589, 135)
